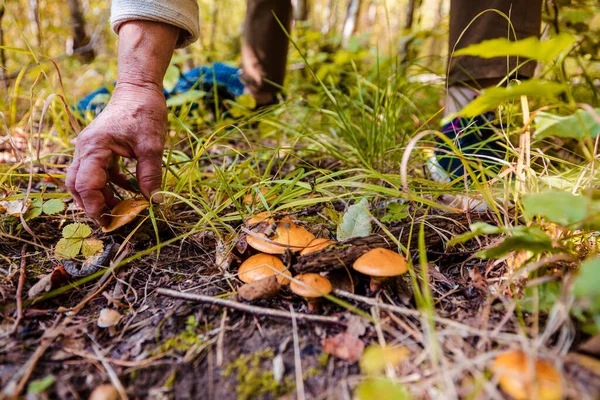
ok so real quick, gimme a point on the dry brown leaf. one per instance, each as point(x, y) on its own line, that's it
point(262, 289)
point(344, 346)
point(591, 346)
point(125, 212)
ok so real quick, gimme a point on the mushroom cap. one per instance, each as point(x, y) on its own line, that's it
point(311, 285)
point(380, 262)
point(262, 266)
point(260, 217)
point(105, 392)
point(287, 235)
point(316, 245)
point(108, 317)
point(517, 380)
point(124, 212)
point(253, 197)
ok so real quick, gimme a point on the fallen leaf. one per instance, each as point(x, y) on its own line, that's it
point(356, 222)
point(15, 207)
point(91, 247)
point(344, 346)
point(125, 212)
point(262, 289)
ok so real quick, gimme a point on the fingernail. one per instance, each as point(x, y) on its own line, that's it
point(157, 197)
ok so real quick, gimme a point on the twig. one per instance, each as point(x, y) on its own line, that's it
point(114, 378)
point(20, 288)
point(198, 298)
point(297, 360)
point(500, 336)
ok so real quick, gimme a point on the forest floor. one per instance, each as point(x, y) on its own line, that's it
point(433, 333)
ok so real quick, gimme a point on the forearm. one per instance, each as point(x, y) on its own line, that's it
point(145, 50)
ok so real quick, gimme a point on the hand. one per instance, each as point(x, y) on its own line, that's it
point(133, 125)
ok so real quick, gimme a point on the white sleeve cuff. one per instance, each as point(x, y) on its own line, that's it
point(181, 13)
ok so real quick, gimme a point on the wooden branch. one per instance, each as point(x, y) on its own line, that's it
point(198, 298)
point(343, 254)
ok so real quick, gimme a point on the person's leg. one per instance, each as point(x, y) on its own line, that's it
point(467, 29)
point(265, 47)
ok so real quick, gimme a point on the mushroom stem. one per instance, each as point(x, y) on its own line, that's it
point(375, 283)
point(314, 306)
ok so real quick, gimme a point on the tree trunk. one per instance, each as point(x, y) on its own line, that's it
point(81, 42)
point(411, 12)
point(437, 44)
point(327, 16)
point(3, 82)
point(343, 254)
point(351, 21)
point(34, 20)
point(301, 10)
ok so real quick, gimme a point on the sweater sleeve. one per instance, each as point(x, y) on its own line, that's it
point(181, 13)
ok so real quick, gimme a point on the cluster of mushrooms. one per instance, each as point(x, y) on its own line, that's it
point(379, 263)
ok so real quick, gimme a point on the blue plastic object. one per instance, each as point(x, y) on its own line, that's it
point(227, 79)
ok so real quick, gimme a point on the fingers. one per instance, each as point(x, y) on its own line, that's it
point(71, 179)
point(89, 185)
point(117, 177)
point(149, 174)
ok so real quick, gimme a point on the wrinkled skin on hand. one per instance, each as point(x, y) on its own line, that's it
point(133, 125)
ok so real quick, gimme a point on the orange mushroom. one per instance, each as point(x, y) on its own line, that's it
point(124, 212)
point(287, 236)
point(262, 266)
point(312, 287)
point(316, 245)
point(380, 264)
point(516, 377)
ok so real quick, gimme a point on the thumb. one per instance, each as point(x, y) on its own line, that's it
point(149, 175)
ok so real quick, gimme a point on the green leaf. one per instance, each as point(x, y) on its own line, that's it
point(91, 247)
point(493, 97)
point(477, 229)
point(547, 295)
point(381, 389)
point(32, 213)
point(40, 385)
point(532, 239)
point(560, 207)
point(579, 125)
point(587, 282)
point(396, 212)
point(530, 48)
point(53, 206)
point(68, 248)
point(356, 221)
point(190, 96)
point(76, 231)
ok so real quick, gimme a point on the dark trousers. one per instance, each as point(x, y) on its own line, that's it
point(265, 46)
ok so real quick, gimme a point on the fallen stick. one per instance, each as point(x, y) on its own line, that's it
point(343, 254)
point(20, 288)
point(198, 298)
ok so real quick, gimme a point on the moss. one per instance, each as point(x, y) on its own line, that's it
point(185, 340)
point(323, 360)
point(253, 381)
point(170, 382)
